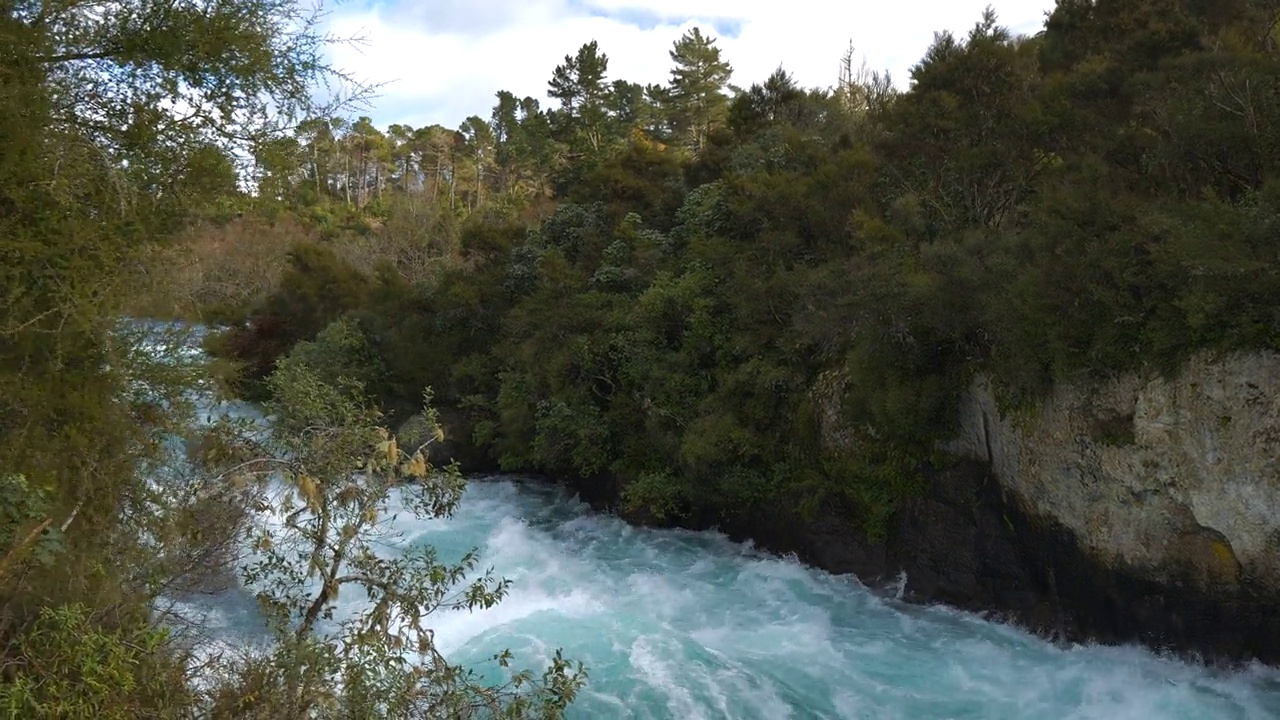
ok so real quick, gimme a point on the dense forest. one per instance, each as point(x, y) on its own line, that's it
point(667, 289)
point(661, 286)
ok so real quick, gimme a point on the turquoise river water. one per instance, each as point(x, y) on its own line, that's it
point(686, 625)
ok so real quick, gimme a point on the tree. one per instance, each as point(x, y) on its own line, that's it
point(630, 107)
point(405, 170)
point(115, 127)
point(505, 124)
point(536, 148)
point(279, 169)
point(579, 84)
point(861, 90)
point(697, 102)
point(439, 149)
point(319, 143)
point(369, 155)
point(778, 101)
point(478, 142)
point(943, 151)
point(522, 141)
point(342, 477)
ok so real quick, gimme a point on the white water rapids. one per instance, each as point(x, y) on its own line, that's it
point(685, 625)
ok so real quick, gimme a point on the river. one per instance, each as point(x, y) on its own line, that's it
point(685, 625)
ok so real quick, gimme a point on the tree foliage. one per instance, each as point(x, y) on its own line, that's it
point(697, 100)
point(331, 482)
point(1096, 199)
point(120, 127)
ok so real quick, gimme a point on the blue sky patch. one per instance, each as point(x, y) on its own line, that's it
point(649, 20)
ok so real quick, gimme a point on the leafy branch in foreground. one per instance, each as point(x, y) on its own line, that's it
point(334, 486)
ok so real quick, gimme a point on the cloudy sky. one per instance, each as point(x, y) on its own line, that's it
point(443, 60)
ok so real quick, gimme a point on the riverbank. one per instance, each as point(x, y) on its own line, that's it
point(969, 546)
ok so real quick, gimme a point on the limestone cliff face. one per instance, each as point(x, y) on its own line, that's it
point(1173, 479)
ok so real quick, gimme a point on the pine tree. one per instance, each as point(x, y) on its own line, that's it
point(536, 148)
point(479, 143)
point(505, 124)
point(317, 138)
point(580, 86)
point(697, 99)
point(400, 139)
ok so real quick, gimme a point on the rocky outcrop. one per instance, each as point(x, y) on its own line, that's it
point(1168, 488)
point(1177, 479)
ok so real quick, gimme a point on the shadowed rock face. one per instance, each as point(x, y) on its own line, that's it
point(1176, 478)
point(1140, 510)
point(1144, 509)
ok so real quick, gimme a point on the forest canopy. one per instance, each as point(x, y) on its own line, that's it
point(669, 287)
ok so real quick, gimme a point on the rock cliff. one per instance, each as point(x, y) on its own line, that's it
point(1148, 508)
point(1176, 479)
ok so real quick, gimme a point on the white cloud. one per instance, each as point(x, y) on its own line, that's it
point(443, 60)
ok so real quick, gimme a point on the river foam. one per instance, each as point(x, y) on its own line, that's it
point(677, 624)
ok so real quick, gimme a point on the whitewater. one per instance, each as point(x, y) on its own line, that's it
point(687, 625)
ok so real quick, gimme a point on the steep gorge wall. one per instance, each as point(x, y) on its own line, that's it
point(1174, 479)
point(1147, 508)
point(1144, 509)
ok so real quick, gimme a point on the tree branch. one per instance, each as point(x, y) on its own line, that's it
point(12, 556)
point(74, 512)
